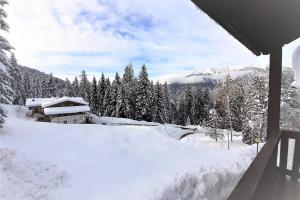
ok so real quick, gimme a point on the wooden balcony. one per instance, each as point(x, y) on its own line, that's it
point(274, 173)
point(264, 27)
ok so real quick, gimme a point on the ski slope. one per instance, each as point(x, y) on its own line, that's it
point(92, 161)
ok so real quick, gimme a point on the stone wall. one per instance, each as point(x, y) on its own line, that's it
point(71, 119)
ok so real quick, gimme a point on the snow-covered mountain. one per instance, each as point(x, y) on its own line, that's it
point(215, 75)
point(211, 78)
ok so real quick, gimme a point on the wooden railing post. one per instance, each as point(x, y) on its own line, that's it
point(274, 91)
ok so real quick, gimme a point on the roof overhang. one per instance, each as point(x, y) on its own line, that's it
point(260, 25)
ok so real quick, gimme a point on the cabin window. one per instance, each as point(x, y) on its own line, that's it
point(75, 121)
point(65, 122)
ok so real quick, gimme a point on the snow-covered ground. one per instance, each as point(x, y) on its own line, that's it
point(60, 161)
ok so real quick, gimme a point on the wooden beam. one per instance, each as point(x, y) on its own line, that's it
point(274, 91)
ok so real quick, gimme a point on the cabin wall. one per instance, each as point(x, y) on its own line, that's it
point(37, 109)
point(70, 119)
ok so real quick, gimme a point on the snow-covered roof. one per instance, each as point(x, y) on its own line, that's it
point(34, 102)
point(64, 99)
point(46, 102)
point(65, 110)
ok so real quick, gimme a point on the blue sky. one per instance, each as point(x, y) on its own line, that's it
point(170, 36)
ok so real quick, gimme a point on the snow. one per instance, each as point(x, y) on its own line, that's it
point(46, 102)
point(34, 102)
point(38, 177)
point(63, 110)
point(91, 161)
point(118, 121)
point(64, 99)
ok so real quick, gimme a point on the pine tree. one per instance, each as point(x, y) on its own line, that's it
point(200, 112)
point(16, 84)
point(6, 92)
point(106, 100)
point(255, 109)
point(101, 94)
point(68, 91)
point(166, 99)
point(181, 114)
point(51, 88)
point(75, 86)
point(128, 82)
point(237, 107)
point(214, 122)
point(26, 86)
point(189, 105)
point(158, 105)
point(94, 97)
point(122, 105)
point(44, 84)
point(115, 87)
point(84, 87)
point(173, 112)
point(36, 88)
point(143, 99)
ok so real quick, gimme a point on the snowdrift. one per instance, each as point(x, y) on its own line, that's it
point(92, 161)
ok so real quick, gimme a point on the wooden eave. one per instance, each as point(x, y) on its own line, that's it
point(260, 25)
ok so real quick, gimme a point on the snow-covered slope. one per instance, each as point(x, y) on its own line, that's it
point(62, 161)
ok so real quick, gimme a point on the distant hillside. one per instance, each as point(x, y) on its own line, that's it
point(211, 79)
point(36, 74)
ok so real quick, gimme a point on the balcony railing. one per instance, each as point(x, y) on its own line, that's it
point(270, 176)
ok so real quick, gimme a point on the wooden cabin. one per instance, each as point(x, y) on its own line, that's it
point(66, 110)
point(264, 26)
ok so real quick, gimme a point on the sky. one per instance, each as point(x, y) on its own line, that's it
point(170, 37)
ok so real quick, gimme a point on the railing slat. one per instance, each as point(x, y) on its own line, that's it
point(296, 160)
point(283, 152)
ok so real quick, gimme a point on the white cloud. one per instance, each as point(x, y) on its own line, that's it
point(169, 36)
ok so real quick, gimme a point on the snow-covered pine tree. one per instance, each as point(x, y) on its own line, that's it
point(143, 98)
point(36, 88)
point(106, 99)
point(26, 86)
point(6, 92)
point(101, 94)
point(214, 123)
point(84, 87)
point(189, 105)
point(166, 99)
point(158, 105)
point(237, 106)
point(16, 84)
point(44, 83)
point(290, 102)
point(128, 82)
point(115, 87)
point(152, 92)
point(68, 91)
point(254, 125)
point(122, 106)
point(173, 112)
point(221, 106)
point(181, 117)
point(200, 113)
point(94, 97)
point(75, 86)
point(51, 88)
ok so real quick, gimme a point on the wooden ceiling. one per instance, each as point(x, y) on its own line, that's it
point(260, 25)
